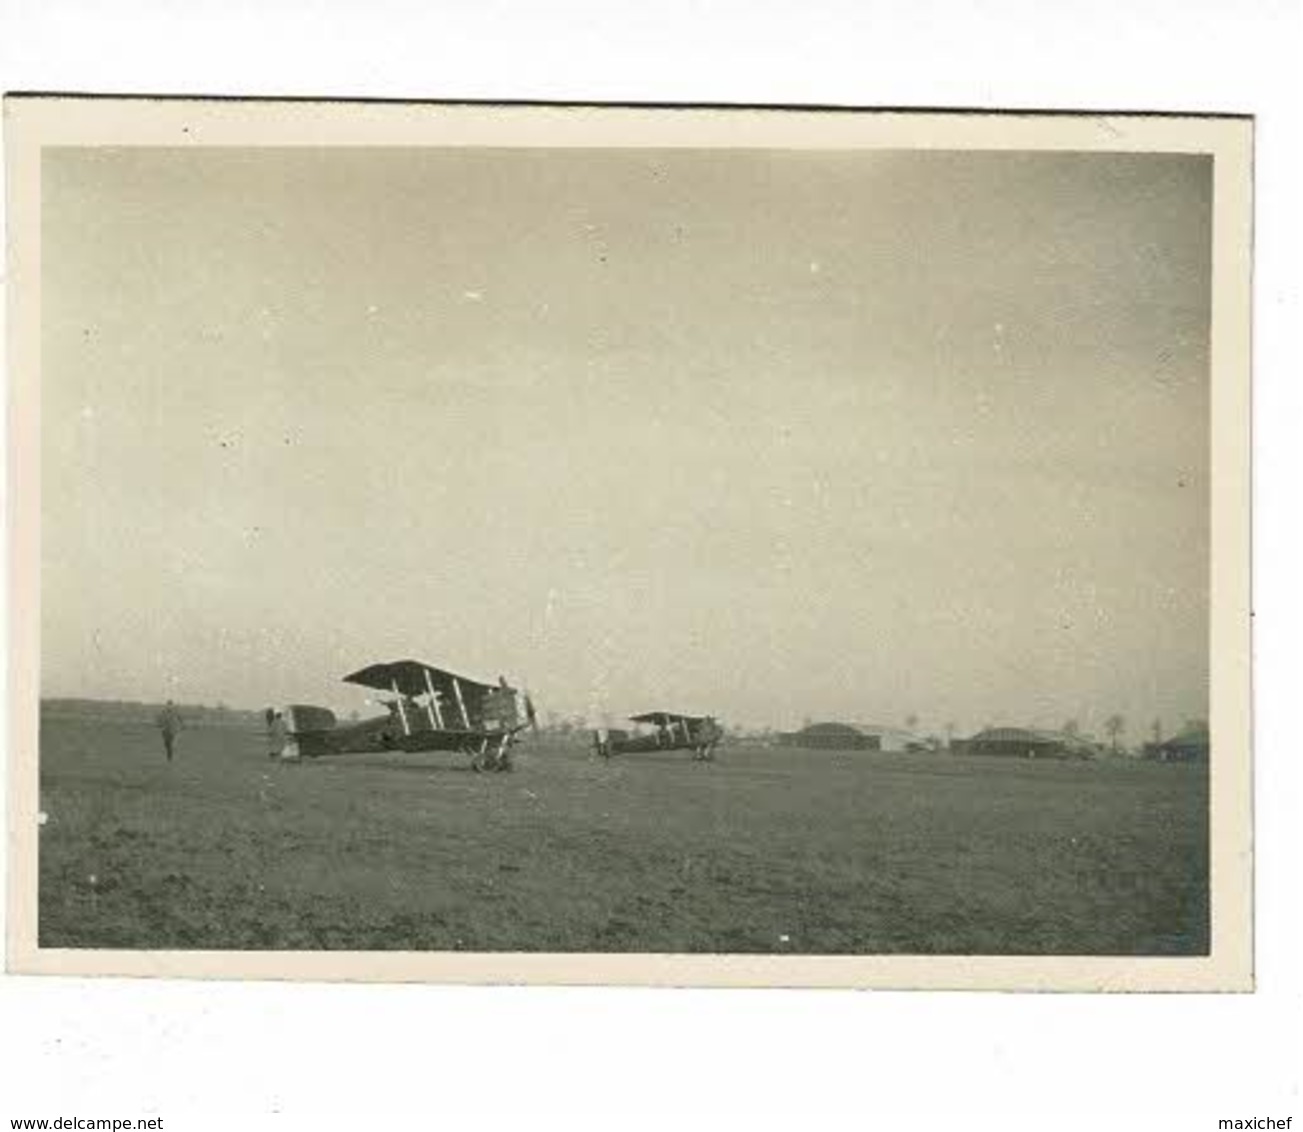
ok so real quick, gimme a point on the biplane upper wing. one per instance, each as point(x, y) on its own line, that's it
point(412, 678)
point(453, 703)
point(664, 718)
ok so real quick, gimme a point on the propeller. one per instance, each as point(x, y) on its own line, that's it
point(530, 713)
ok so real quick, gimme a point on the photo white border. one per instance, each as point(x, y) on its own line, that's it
point(34, 123)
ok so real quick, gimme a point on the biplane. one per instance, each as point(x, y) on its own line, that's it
point(699, 734)
point(426, 709)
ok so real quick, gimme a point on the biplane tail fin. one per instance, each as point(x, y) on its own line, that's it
point(300, 718)
point(303, 731)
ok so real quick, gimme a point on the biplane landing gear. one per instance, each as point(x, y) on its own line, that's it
point(502, 758)
point(492, 758)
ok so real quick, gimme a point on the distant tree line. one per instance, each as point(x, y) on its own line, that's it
point(135, 711)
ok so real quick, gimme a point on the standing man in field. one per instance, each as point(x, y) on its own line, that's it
point(277, 734)
point(169, 723)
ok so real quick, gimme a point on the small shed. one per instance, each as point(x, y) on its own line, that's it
point(892, 738)
point(1190, 746)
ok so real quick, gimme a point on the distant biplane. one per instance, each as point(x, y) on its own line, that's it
point(427, 709)
point(699, 734)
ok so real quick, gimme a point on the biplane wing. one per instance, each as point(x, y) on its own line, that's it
point(452, 702)
point(665, 718)
point(412, 678)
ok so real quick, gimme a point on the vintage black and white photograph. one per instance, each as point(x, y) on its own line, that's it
point(784, 541)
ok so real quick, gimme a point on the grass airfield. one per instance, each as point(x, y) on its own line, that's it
point(766, 850)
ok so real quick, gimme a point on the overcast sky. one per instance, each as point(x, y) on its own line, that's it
point(774, 435)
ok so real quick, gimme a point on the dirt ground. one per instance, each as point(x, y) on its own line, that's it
point(764, 851)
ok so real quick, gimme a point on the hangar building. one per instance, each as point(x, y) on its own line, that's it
point(853, 737)
point(1027, 743)
point(832, 736)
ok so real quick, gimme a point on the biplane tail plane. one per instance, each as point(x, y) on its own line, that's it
point(427, 709)
point(700, 734)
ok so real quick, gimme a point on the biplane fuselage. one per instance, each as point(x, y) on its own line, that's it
point(428, 709)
